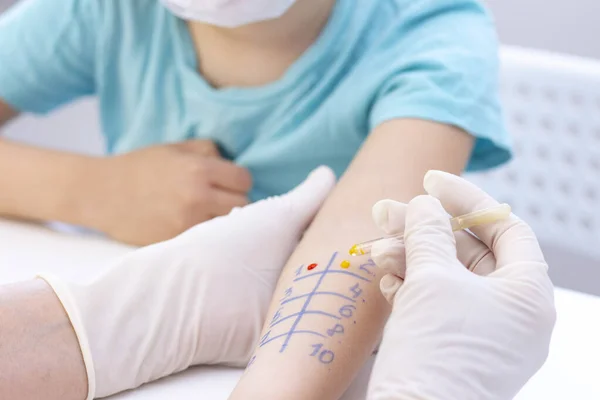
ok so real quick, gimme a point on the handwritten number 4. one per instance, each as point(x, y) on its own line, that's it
point(356, 290)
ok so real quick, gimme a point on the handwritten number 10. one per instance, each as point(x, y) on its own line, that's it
point(324, 356)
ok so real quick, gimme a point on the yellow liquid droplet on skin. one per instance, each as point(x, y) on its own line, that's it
point(345, 264)
point(356, 250)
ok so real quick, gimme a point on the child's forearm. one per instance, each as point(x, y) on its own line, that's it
point(325, 322)
point(43, 184)
point(6, 113)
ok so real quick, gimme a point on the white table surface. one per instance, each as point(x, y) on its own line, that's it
point(570, 373)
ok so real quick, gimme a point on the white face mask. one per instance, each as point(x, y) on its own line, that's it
point(228, 13)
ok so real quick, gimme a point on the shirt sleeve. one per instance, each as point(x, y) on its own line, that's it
point(47, 51)
point(441, 64)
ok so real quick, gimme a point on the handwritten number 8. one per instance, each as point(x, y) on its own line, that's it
point(336, 329)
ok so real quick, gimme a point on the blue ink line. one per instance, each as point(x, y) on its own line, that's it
point(291, 333)
point(306, 303)
point(307, 312)
point(333, 272)
point(318, 294)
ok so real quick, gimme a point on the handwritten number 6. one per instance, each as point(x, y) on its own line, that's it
point(347, 311)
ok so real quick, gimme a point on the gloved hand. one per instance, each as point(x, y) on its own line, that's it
point(200, 298)
point(454, 335)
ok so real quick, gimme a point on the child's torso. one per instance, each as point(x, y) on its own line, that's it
point(317, 113)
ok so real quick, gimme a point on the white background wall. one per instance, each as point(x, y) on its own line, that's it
point(567, 26)
point(571, 26)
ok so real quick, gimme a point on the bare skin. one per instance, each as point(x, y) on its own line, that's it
point(39, 352)
point(188, 183)
point(265, 50)
point(110, 194)
point(6, 113)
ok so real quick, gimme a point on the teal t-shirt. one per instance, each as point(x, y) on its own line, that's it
point(376, 60)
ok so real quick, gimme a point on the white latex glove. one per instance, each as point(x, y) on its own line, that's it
point(200, 298)
point(454, 335)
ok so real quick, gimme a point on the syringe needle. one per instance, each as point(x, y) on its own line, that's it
point(481, 217)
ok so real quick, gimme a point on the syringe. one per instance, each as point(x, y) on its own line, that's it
point(481, 217)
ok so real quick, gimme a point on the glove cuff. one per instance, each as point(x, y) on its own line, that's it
point(64, 295)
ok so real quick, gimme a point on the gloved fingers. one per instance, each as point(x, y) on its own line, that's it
point(389, 285)
point(389, 216)
point(389, 254)
point(511, 240)
point(532, 288)
point(474, 254)
point(428, 236)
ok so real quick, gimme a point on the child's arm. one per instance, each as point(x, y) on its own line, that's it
point(325, 322)
point(6, 113)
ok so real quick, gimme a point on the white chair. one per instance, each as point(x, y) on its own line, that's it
point(552, 108)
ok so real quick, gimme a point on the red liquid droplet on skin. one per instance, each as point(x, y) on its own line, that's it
point(312, 266)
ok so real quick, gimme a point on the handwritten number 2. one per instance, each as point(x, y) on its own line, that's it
point(365, 267)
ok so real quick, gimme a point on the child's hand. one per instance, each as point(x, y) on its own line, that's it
point(154, 194)
point(200, 298)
